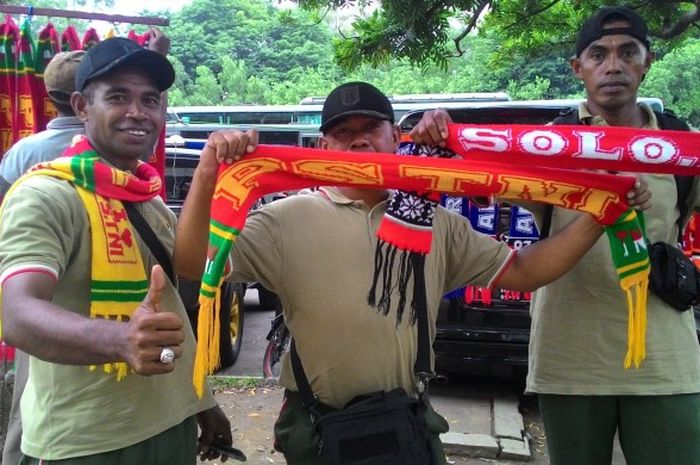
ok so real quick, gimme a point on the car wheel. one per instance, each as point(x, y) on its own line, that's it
point(232, 318)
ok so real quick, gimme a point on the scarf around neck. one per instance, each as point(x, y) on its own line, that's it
point(118, 277)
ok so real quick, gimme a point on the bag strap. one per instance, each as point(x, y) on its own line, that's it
point(421, 369)
point(152, 242)
point(684, 184)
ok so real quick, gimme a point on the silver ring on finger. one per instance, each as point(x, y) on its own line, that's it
point(167, 355)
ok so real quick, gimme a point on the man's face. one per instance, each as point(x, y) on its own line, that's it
point(123, 115)
point(361, 134)
point(612, 68)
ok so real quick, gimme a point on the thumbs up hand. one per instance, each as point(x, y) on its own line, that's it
point(152, 329)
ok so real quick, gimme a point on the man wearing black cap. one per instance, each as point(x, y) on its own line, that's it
point(318, 252)
point(579, 321)
point(110, 378)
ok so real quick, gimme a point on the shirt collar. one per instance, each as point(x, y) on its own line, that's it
point(335, 195)
point(64, 122)
point(586, 117)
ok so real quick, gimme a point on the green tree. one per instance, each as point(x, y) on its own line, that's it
point(271, 41)
point(420, 30)
point(674, 79)
point(206, 87)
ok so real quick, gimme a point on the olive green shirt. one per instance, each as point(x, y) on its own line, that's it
point(317, 251)
point(71, 411)
point(579, 323)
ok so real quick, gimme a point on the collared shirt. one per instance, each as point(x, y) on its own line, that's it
point(317, 251)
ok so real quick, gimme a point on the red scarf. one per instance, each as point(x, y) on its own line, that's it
point(580, 147)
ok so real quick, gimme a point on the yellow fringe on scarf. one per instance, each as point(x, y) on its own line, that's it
point(636, 289)
point(208, 338)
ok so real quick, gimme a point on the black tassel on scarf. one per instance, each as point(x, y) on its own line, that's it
point(405, 233)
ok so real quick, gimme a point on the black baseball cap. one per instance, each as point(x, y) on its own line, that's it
point(118, 52)
point(355, 98)
point(593, 28)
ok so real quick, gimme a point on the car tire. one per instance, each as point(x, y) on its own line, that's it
point(232, 322)
point(231, 317)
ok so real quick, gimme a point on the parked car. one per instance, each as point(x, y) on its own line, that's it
point(184, 143)
point(491, 337)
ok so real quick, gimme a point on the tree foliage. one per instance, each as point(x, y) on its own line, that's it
point(228, 52)
point(674, 79)
point(421, 30)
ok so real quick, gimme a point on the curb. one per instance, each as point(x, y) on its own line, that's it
point(508, 439)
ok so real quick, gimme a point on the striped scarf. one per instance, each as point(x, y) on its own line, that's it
point(274, 169)
point(118, 278)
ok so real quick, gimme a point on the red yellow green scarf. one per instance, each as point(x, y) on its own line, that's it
point(118, 282)
point(274, 169)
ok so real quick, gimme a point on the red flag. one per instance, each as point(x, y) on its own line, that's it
point(90, 38)
point(47, 47)
point(70, 40)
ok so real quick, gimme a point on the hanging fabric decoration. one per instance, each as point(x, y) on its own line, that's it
point(691, 239)
point(140, 39)
point(24, 119)
point(90, 38)
point(484, 219)
point(47, 47)
point(70, 40)
point(9, 46)
point(458, 206)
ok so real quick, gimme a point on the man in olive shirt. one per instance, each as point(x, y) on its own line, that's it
point(317, 251)
point(579, 322)
point(71, 408)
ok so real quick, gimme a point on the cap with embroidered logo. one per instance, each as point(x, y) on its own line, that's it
point(355, 98)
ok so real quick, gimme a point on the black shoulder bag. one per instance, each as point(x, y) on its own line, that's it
point(152, 242)
point(674, 277)
point(380, 428)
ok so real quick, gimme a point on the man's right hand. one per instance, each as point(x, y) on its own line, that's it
point(151, 329)
point(225, 146)
point(432, 128)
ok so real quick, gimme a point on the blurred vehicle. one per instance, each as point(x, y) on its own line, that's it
point(183, 144)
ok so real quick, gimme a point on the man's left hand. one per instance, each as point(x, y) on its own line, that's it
point(214, 426)
point(639, 197)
